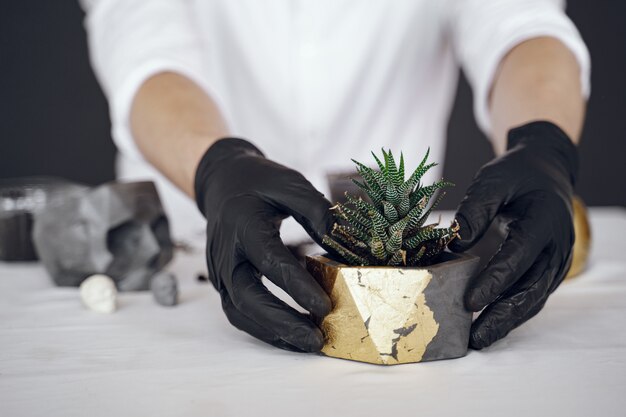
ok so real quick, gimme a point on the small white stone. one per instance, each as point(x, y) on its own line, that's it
point(98, 293)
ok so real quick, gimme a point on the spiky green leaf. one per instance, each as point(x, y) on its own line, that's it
point(360, 204)
point(404, 206)
point(413, 217)
point(396, 259)
point(394, 243)
point(359, 234)
point(415, 258)
point(392, 170)
point(416, 175)
point(391, 192)
point(381, 166)
point(390, 212)
point(424, 234)
point(352, 217)
point(379, 225)
point(351, 257)
point(378, 248)
point(389, 230)
point(433, 206)
point(428, 191)
point(341, 235)
point(415, 178)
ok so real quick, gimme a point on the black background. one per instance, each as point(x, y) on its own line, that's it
point(54, 118)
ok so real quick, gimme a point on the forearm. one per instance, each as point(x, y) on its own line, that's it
point(538, 80)
point(173, 123)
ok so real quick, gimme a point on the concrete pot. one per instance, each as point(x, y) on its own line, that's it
point(390, 315)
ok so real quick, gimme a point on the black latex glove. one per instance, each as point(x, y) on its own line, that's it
point(244, 197)
point(529, 188)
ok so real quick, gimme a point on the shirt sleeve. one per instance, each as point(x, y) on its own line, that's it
point(484, 31)
point(132, 40)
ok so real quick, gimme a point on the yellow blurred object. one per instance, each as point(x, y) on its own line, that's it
point(582, 244)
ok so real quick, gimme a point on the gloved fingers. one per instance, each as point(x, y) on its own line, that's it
point(478, 208)
point(534, 311)
point(564, 265)
point(306, 205)
point(250, 297)
point(526, 238)
point(265, 250)
point(516, 306)
point(212, 279)
point(246, 324)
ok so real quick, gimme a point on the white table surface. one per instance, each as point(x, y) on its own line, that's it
point(58, 359)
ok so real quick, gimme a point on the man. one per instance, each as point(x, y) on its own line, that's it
point(310, 84)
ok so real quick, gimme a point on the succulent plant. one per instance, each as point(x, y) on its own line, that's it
point(390, 229)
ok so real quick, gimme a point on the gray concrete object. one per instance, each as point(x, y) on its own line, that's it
point(118, 229)
point(164, 288)
point(20, 198)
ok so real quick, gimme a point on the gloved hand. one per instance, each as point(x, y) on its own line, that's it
point(244, 197)
point(530, 189)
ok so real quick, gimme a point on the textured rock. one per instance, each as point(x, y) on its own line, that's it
point(164, 287)
point(118, 229)
point(389, 315)
point(98, 293)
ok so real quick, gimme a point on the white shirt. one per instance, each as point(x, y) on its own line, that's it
point(314, 83)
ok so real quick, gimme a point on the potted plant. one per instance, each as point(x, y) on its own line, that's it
point(397, 294)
